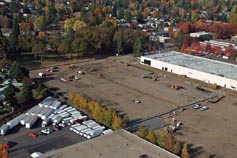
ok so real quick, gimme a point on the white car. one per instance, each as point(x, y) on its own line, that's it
point(81, 72)
point(197, 106)
point(62, 79)
point(203, 108)
point(76, 78)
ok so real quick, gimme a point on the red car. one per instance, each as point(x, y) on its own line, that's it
point(9, 144)
point(32, 134)
point(48, 73)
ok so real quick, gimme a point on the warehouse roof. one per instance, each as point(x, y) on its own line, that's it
point(119, 144)
point(198, 63)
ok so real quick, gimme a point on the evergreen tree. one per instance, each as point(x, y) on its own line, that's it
point(9, 93)
point(185, 152)
point(138, 47)
point(4, 47)
point(13, 38)
point(16, 72)
point(118, 39)
point(26, 95)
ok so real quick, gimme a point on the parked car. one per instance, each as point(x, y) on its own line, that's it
point(81, 72)
point(197, 106)
point(62, 79)
point(32, 134)
point(10, 144)
point(76, 78)
point(203, 108)
point(48, 74)
point(47, 131)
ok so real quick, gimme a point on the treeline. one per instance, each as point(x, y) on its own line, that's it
point(106, 116)
point(21, 96)
point(165, 140)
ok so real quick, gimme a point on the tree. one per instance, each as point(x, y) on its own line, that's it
point(13, 38)
point(161, 139)
point(39, 47)
point(233, 15)
point(185, 151)
point(9, 93)
point(117, 122)
point(16, 72)
point(25, 96)
point(138, 47)
point(118, 39)
point(152, 137)
point(139, 17)
point(4, 47)
point(142, 132)
point(177, 148)
point(178, 38)
point(169, 145)
point(80, 46)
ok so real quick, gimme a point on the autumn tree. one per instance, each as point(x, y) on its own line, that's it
point(185, 151)
point(177, 148)
point(152, 137)
point(233, 15)
point(161, 139)
point(178, 38)
point(143, 132)
point(169, 145)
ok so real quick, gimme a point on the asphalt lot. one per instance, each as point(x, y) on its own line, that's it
point(27, 145)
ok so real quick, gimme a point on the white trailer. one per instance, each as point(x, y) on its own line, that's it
point(74, 112)
point(16, 121)
point(88, 121)
point(66, 120)
point(63, 107)
point(55, 105)
point(107, 131)
point(96, 127)
point(95, 133)
point(4, 128)
point(58, 119)
point(78, 129)
point(46, 122)
point(73, 126)
point(47, 113)
point(84, 130)
point(31, 121)
point(87, 132)
point(93, 124)
point(73, 120)
point(24, 120)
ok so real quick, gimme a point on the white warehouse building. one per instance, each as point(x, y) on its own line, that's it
point(209, 71)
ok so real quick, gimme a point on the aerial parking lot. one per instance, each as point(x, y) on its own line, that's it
point(25, 144)
point(120, 82)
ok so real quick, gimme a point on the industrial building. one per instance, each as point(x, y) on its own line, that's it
point(119, 144)
point(209, 71)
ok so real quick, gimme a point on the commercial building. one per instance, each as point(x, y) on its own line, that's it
point(119, 144)
point(209, 71)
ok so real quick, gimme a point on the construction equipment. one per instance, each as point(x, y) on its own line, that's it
point(176, 87)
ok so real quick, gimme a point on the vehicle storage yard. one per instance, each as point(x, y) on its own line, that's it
point(121, 79)
point(50, 111)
